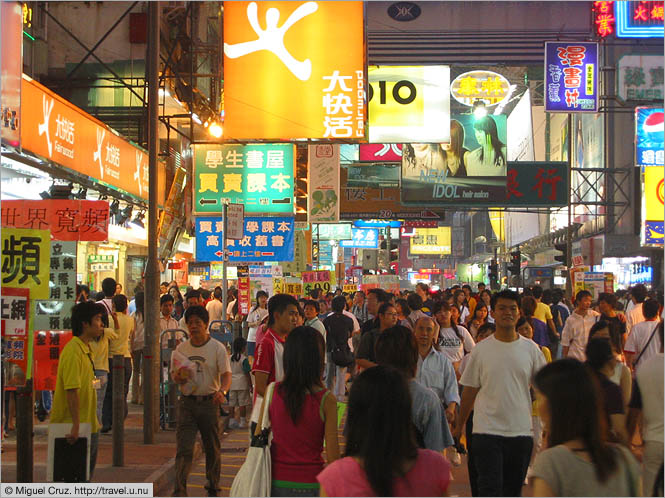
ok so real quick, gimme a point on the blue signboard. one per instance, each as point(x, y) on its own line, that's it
point(571, 77)
point(649, 137)
point(264, 239)
point(654, 231)
point(639, 19)
point(377, 224)
point(362, 238)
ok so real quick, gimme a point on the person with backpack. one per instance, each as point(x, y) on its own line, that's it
point(339, 328)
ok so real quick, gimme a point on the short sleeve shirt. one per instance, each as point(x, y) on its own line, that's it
point(543, 312)
point(268, 357)
point(212, 361)
point(366, 349)
point(75, 371)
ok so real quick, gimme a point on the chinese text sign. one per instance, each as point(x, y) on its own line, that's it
point(649, 136)
point(25, 260)
point(571, 77)
point(323, 198)
point(258, 176)
point(653, 193)
point(365, 238)
point(301, 79)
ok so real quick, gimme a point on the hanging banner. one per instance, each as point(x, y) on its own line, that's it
point(409, 103)
point(472, 171)
point(301, 253)
point(25, 260)
point(235, 222)
point(323, 198)
point(258, 176)
point(57, 130)
point(653, 195)
point(571, 77)
point(264, 239)
point(315, 61)
point(16, 341)
point(48, 345)
point(67, 219)
point(11, 61)
point(649, 136)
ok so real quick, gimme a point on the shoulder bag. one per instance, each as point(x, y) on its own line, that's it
point(255, 476)
point(639, 357)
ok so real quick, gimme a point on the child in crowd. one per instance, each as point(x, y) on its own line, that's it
point(240, 384)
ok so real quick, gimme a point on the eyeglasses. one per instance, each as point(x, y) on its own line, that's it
point(391, 313)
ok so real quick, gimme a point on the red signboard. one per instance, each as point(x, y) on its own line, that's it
point(391, 153)
point(603, 16)
point(47, 348)
point(15, 313)
point(67, 219)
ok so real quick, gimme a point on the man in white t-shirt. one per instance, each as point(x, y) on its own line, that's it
point(643, 341)
point(635, 313)
point(201, 366)
point(192, 298)
point(215, 308)
point(648, 399)
point(575, 332)
point(496, 386)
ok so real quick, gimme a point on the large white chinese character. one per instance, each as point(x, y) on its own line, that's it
point(660, 157)
point(267, 226)
point(254, 159)
point(648, 157)
point(212, 240)
point(252, 226)
point(205, 226)
point(219, 226)
point(256, 182)
point(334, 80)
point(214, 158)
point(277, 241)
point(335, 104)
point(233, 159)
point(280, 182)
point(275, 159)
point(338, 127)
point(283, 226)
point(272, 38)
point(246, 241)
point(261, 241)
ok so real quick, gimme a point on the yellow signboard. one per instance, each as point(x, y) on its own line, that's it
point(431, 241)
point(25, 260)
point(654, 211)
point(409, 104)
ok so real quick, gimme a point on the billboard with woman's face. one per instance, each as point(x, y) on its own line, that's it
point(470, 170)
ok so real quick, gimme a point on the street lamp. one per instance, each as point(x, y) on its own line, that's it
point(215, 130)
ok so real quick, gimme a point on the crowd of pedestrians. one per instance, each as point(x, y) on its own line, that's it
point(532, 387)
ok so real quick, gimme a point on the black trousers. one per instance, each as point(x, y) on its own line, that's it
point(501, 463)
point(470, 460)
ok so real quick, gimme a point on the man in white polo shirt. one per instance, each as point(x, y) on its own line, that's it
point(575, 333)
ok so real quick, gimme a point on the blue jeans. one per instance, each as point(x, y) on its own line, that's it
point(103, 376)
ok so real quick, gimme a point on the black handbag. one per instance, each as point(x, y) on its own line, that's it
point(342, 356)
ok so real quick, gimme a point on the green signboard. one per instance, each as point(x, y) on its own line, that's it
point(332, 231)
point(259, 176)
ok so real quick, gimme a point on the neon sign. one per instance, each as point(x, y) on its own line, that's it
point(604, 18)
point(640, 19)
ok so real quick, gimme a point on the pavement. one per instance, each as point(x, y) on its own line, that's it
point(156, 463)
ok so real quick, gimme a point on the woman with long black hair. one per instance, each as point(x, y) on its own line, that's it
point(489, 159)
point(579, 461)
point(302, 413)
point(382, 457)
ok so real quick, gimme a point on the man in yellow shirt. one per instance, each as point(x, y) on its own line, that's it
point(118, 346)
point(75, 399)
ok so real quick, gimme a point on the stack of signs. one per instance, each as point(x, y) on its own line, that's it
point(15, 326)
point(244, 296)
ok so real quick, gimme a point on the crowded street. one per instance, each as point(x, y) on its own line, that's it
point(332, 248)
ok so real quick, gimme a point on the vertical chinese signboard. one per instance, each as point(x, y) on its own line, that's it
point(323, 199)
point(12, 68)
point(603, 18)
point(244, 293)
point(55, 312)
point(302, 79)
point(25, 260)
point(571, 77)
point(48, 346)
point(654, 209)
point(258, 176)
point(15, 313)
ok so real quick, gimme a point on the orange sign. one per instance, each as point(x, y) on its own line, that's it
point(294, 70)
point(57, 130)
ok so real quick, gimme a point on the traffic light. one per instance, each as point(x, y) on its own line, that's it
point(515, 265)
point(563, 257)
point(493, 273)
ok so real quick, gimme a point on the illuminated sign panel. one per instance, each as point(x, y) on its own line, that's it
point(655, 209)
point(604, 20)
point(571, 77)
point(294, 70)
point(431, 241)
point(409, 103)
point(488, 86)
point(649, 142)
point(639, 19)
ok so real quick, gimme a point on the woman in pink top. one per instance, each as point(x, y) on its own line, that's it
point(382, 457)
point(302, 414)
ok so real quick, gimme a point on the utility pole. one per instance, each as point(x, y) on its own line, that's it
point(151, 349)
point(569, 229)
point(225, 258)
